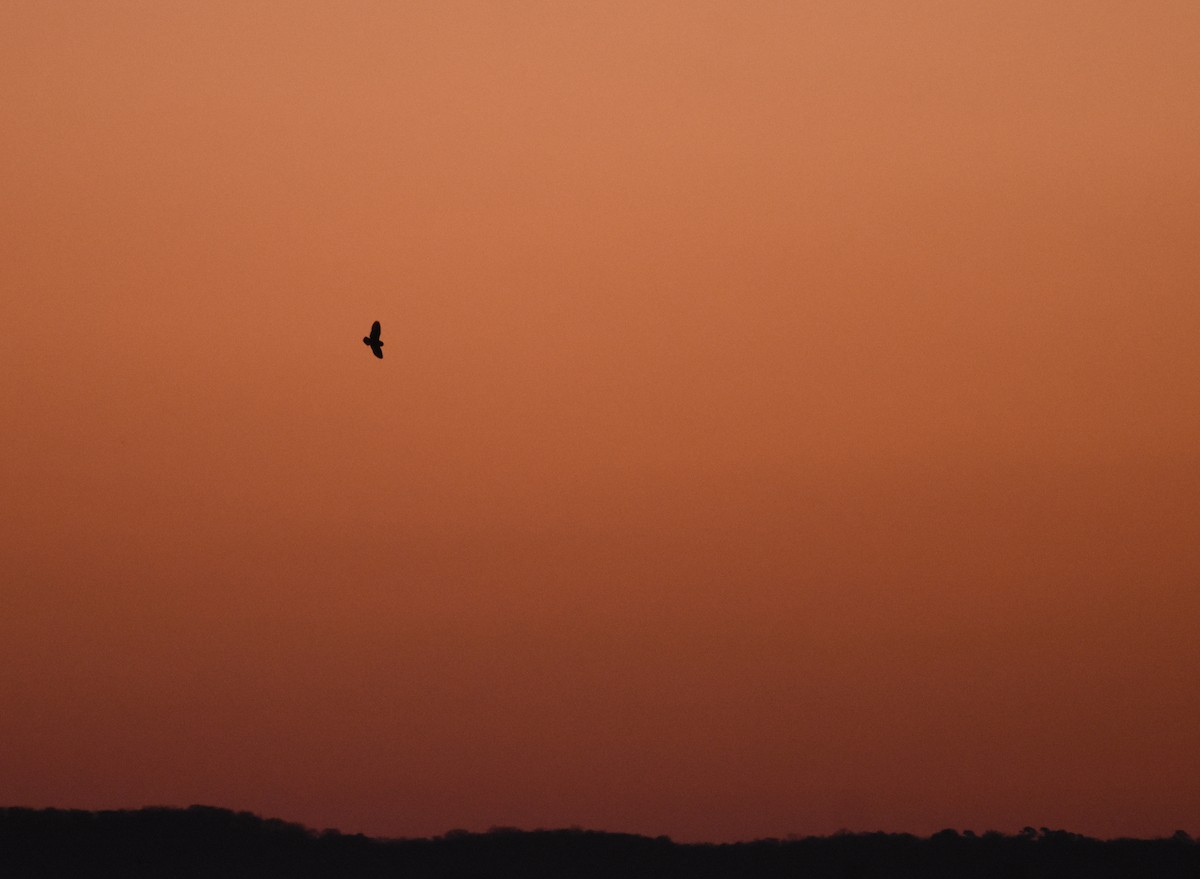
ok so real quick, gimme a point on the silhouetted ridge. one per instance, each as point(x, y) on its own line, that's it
point(202, 842)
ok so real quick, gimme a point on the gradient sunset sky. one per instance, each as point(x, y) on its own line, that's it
point(789, 417)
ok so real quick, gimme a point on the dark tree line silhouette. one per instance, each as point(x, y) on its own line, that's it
point(203, 842)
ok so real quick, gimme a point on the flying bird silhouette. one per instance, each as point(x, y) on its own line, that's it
point(373, 341)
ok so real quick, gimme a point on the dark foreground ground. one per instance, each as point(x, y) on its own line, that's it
point(203, 842)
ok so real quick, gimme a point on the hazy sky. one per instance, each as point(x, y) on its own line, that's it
point(789, 419)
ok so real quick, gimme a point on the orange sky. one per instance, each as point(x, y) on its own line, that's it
point(789, 418)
